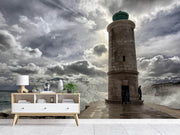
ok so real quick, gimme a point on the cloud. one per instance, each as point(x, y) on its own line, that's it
point(27, 22)
point(97, 56)
point(13, 9)
point(70, 8)
point(2, 20)
point(17, 29)
point(99, 50)
point(31, 68)
point(89, 24)
point(165, 23)
point(84, 67)
point(158, 68)
point(163, 45)
point(138, 8)
point(54, 39)
point(13, 28)
point(53, 47)
point(9, 43)
point(4, 69)
point(76, 68)
point(32, 52)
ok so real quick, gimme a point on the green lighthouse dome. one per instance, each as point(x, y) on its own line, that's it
point(120, 16)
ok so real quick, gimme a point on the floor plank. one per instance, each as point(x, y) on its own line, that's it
point(167, 129)
point(109, 129)
point(83, 129)
point(91, 127)
point(140, 129)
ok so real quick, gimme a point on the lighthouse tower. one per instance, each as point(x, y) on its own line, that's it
point(122, 69)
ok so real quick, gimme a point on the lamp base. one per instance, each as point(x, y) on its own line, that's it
point(23, 90)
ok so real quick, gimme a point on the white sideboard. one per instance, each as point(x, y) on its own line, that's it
point(54, 105)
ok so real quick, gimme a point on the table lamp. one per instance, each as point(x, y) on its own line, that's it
point(22, 80)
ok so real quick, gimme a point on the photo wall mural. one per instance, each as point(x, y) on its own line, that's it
point(53, 40)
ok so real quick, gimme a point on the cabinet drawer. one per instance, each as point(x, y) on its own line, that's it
point(26, 108)
point(45, 108)
point(69, 108)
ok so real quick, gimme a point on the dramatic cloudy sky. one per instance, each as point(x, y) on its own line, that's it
point(53, 39)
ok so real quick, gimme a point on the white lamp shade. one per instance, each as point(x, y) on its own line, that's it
point(22, 80)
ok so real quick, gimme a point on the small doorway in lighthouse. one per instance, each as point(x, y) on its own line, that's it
point(125, 94)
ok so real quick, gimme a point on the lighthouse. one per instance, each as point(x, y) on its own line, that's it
point(122, 65)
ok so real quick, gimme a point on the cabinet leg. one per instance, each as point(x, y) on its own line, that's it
point(15, 119)
point(76, 119)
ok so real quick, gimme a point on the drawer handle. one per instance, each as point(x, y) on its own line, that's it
point(45, 108)
point(22, 108)
point(67, 108)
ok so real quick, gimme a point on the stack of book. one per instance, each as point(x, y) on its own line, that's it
point(23, 102)
point(41, 101)
point(67, 101)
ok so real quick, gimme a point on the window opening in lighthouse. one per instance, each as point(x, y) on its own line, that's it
point(124, 59)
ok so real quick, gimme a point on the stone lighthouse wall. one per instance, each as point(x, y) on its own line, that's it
point(122, 60)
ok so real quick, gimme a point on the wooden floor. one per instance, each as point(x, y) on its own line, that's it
point(91, 127)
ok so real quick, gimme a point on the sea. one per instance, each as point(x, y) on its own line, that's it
point(5, 101)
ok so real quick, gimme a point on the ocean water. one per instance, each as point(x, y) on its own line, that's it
point(5, 101)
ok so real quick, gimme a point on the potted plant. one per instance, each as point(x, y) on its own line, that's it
point(70, 87)
point(34, 90)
